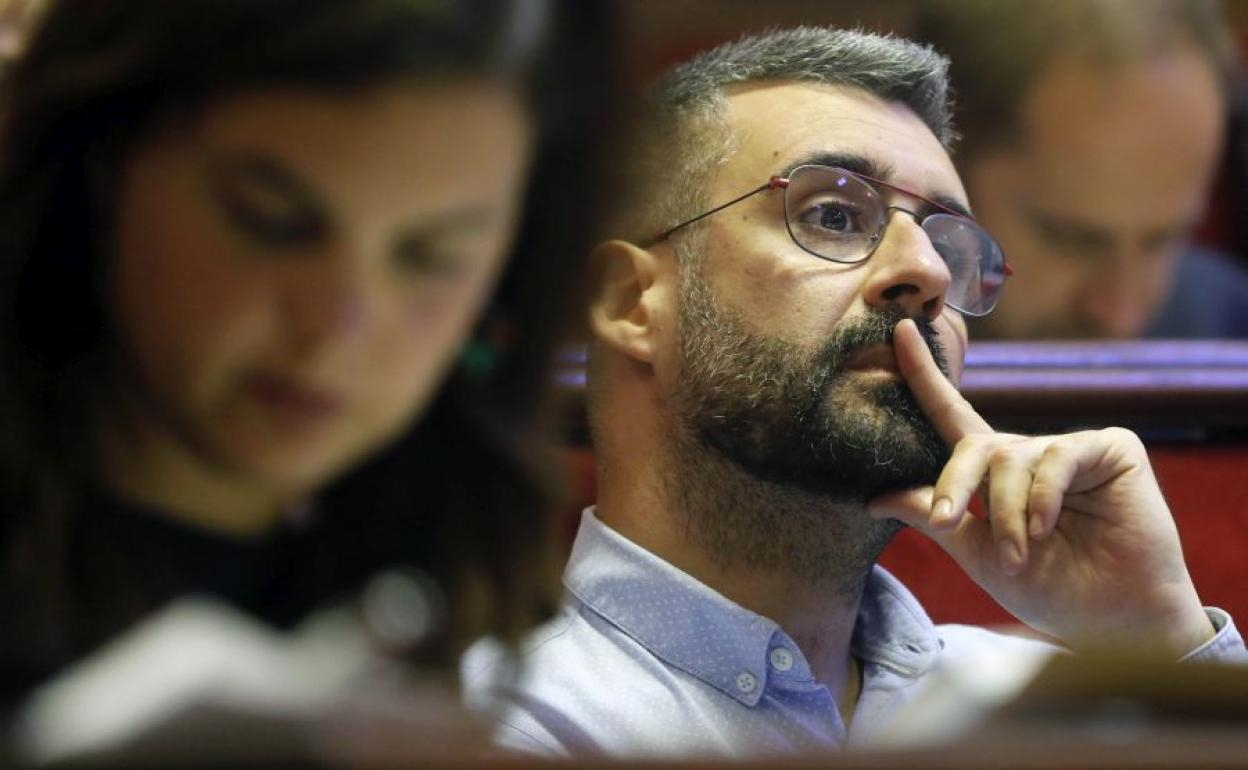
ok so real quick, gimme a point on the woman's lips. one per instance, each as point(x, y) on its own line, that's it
point(293, 402)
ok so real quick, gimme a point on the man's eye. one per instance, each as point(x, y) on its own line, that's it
point(1073, 241)
point(1162, 245)
point(833, 217)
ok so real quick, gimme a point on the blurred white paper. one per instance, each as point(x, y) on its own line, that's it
point(201, 679)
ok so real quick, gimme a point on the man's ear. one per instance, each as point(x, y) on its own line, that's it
point(625, 298)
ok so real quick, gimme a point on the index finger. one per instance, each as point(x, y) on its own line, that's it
point(953, 415)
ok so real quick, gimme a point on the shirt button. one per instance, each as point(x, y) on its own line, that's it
point(746, 682)
point(781, 659)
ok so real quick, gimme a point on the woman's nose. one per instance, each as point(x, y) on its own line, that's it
point(327, 300)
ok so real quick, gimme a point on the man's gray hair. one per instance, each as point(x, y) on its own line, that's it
point(684, 136)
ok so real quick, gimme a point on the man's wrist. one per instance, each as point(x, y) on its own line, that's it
point(1194, 631)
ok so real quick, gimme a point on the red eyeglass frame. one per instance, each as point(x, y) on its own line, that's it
point(780, 183)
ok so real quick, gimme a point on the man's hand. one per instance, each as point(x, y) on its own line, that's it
point(1078, 542)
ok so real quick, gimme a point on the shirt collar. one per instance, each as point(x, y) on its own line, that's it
point(678, 619)
point(691, 627)
point(893, 629)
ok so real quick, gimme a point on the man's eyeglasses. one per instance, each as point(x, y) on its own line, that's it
point(840, 216)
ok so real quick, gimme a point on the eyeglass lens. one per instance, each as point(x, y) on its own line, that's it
point(835, 215)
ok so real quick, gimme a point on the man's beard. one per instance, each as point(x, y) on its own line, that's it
point(798, 418)
point(810, 441)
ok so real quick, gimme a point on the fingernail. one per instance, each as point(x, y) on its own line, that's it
point(1011, 557)
point(942, 512)
point(1035, 527)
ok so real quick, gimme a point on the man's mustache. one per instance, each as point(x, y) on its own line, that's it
point(871, 330)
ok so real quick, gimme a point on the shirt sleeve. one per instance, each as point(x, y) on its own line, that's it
point(516, 738)
point(1226, 646)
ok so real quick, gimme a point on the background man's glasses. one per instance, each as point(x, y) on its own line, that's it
point(840, 216)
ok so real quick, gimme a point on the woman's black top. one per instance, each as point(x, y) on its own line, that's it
point(132, 561)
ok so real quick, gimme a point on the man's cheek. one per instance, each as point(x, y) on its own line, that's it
point(951, 330)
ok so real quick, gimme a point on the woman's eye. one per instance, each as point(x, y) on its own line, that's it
point(431, 260)
point(267, 219)
point(266, 201)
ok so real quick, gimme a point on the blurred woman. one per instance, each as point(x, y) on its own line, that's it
point(244, 246)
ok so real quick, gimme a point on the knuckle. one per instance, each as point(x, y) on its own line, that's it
point(1123, 436)
point(973, 442)
point(1059, 450)
point(1003, 454)
point(1044, 491)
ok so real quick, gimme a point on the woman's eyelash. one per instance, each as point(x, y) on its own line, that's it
point(295, 224)
point(431, 260)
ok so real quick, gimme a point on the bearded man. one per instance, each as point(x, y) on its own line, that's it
point(772, 394)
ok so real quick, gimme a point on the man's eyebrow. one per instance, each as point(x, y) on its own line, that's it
point(868, 167)
point(859, 164)
point(953, 204)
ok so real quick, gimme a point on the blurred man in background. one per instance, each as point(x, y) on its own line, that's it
point(1092, 132)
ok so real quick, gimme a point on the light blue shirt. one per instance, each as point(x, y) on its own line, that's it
point(644, 660)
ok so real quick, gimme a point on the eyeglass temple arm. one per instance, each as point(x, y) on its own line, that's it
point(772, 184)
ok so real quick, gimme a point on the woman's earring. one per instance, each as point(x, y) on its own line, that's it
point(483, 352)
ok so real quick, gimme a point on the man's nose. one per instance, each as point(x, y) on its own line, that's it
point(1114, 300)
point(906, 270)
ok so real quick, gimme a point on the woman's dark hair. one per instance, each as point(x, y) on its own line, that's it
point(460, 496)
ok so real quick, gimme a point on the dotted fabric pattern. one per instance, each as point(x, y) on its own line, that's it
point(646, 661)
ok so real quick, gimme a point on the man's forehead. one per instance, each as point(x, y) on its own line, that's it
point(781, 124)
point(1131, 192)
